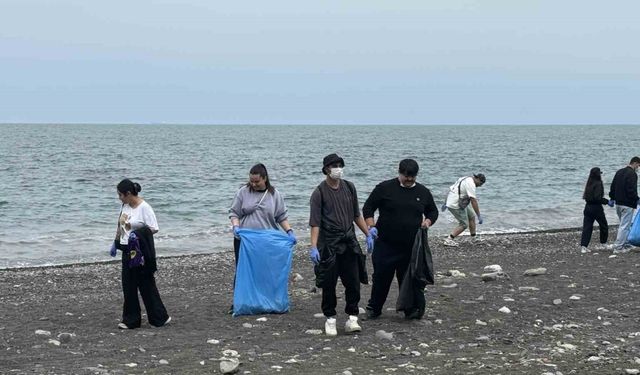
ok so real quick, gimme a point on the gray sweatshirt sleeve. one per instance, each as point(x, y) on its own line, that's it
point(280, 210)
point(236, 207)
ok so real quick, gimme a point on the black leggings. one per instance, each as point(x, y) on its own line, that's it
point(594, 212)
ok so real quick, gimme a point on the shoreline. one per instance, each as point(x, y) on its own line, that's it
point(300, 243)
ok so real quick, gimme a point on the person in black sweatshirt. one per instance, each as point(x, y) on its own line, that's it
point(624, 193)
point(403, 207)
point(594, 197)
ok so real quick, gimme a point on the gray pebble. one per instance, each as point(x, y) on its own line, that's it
point(229, 366)
point(535, 271)
point(384, 335)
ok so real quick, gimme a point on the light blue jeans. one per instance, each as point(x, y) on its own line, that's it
point(625, 214)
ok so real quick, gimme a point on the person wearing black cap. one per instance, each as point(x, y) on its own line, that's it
point(335, 251)
point(463, 205)
point(403, 206)
point(594, 196)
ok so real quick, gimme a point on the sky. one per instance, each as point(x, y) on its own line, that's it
point(321, 62)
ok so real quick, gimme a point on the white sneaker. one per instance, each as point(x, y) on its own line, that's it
point(122, 326)
point(330, 327)
point(167, 322)
point(351, 325)
point(449, 242)
point(584, 250)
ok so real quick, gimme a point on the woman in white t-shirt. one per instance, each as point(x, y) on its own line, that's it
point(135, 215)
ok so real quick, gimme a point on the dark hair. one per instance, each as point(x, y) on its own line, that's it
point(408, 167)
point(261, 170)
point(593, 190)
point(635, 159)
point(127, 186)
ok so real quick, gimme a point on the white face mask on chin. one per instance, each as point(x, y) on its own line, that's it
point(336, 173)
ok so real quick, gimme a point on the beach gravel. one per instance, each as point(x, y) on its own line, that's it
point(63, 320)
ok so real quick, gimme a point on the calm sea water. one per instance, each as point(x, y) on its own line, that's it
point(58, 182)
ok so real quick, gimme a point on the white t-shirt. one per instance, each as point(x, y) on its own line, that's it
point(467, 190)
point(143, 214)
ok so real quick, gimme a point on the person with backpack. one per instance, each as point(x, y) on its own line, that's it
point(463, 205)
point(335, 251)
point(594, 197)
point(624, 194)
point(404, 206)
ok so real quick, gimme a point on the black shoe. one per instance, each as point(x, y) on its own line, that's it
point(371, 315)
point(415, 314)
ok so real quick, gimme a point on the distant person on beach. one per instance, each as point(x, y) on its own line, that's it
point(258, 205)
point(624, 194)
point(404, 206)
point(594, 196)
point(134, 237)
point(335, 250)
point(463, 205)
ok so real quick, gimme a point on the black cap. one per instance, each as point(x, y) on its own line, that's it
point(331, 159)
point(480, 177)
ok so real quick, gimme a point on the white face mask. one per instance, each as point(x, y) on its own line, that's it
point(336, 173)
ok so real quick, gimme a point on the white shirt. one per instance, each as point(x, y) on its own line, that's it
point(467, 190)
point(143, 214)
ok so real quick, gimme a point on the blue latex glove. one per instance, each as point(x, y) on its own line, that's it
point(133, 236)
point(314, 255)
point(373, 231)
point(370, 242)
point(480, 219)
point(292, 236)
point(235, 231)
point(443, 208)
point(611, 203)
point(113, 251)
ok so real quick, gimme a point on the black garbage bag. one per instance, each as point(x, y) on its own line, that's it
point(419, 274)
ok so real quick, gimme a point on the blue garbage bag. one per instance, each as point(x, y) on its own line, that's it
point(262, 274)
point(634, 232)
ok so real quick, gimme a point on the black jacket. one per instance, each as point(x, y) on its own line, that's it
point(419, 274)
point(147, 247)
point(624, 187)
point(334, 241)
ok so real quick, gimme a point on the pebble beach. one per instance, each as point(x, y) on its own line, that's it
point(547, 309)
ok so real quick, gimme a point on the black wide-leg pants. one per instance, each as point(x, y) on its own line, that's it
point(388, 261)
point(134, 280)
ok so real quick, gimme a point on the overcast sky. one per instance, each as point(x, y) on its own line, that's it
point(320, 62)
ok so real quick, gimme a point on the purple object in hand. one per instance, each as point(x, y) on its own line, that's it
point(134, 255)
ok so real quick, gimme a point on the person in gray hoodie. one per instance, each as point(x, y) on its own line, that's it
point(258, 205)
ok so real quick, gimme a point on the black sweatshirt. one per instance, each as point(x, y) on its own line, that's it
point(624, 187)
point(401, 211)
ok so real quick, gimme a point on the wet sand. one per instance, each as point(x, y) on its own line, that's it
point(582, 316)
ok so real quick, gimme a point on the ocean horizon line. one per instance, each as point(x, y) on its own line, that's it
point(299, 124)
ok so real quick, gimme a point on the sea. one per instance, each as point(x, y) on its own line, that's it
point(59, 205)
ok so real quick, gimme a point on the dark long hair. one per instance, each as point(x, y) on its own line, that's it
point(127, 186)
point(594, 189)
point(261, 170)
